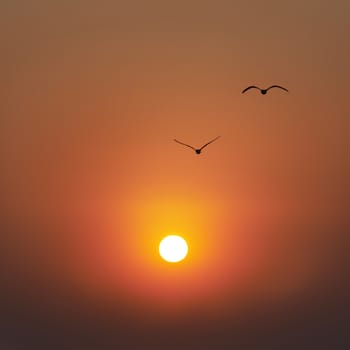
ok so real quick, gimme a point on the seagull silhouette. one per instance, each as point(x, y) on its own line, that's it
point(264, 91)
point(197, 150)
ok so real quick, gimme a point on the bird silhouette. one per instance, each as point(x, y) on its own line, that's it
point(197, 150)
point(264, 91)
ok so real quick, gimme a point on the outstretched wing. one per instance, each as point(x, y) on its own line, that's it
point(208, 143)
point(250, 87)
point(277, 86)
point(184, 144)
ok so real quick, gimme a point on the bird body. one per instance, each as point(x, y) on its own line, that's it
point(197, 150)
point(264, 91)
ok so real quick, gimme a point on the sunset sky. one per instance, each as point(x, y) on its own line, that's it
point(92, 95)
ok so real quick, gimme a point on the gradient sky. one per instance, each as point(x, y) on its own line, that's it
point(92, 95)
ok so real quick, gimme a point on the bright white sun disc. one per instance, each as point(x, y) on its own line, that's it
point(173, 248)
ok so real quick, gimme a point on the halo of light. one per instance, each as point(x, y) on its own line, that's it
point(173, 248)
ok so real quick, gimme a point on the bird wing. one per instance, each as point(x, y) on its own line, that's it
point(185, 144)
point(277, 86)
point(209, 142)
point(250, 87)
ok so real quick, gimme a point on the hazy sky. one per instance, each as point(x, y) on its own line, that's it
point(92, 95)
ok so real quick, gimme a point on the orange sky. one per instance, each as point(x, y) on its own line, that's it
point(92, 95)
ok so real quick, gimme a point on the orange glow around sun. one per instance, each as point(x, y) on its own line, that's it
point(132, 269)
point(149, 278)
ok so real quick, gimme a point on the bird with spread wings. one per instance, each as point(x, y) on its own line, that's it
point(197, 150)
point(264, 91)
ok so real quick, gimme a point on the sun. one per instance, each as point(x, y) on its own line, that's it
point(173, 248)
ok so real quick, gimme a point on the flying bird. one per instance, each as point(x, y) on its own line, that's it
point(264, 91)
point(197, 150)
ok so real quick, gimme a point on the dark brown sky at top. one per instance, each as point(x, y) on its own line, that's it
point(92, 94)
